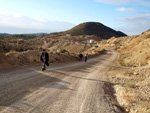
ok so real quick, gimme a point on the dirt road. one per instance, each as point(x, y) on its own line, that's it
point(64, 88)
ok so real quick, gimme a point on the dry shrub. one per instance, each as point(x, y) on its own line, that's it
point(131, 84)
point(63, 50)
point(4, 62)
point(148, 85)
point(147, 36)
point(24, 57)
point(144, 107)
point(141, 79)
point(130, 97)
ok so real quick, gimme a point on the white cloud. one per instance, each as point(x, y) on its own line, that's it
point(114, 2)
point(122, 9)
point(131, 10)
point(125, 2)
point(16, 21)
point(133, 25)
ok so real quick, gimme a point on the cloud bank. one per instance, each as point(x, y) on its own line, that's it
point(125, 2)
point(133, 25)
point(131, 10)
point(24, 24)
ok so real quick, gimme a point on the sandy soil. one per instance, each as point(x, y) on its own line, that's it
point(63, 88)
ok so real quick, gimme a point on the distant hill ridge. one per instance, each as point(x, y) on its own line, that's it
point(4, 34)
point(23, 36)
point(94, 28)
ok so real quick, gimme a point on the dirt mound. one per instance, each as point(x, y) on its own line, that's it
point(15, 59)
point(4, 62)
point(24, 57)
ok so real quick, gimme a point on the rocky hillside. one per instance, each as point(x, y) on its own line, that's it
point(94, 28)
point(3, 34)
point(72, 44)
point(22, 36)
point(131, 78)
point(134, 50)
point(60, 48)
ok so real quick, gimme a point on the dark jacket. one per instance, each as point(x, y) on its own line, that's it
point(80, 55)
point(46, 57)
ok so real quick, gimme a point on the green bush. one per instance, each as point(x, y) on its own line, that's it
point(63, 51)
point(147, 36)
point(21, 50)
point(58, 53)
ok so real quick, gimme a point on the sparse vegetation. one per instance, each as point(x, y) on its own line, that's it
point(63, 51)
point(147, 36)
point(130, 97)
point(58, 53)
point(131, 85)
point(22, 36)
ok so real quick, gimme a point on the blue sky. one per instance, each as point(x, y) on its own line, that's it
point(30, 16)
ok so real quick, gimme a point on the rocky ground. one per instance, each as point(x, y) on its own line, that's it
point(132, 87)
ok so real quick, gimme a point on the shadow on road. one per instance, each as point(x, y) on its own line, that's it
point(15, 90)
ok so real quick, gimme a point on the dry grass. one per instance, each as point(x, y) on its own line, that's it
point(60, 48)
point(141, 79)
point(133, 49)
point(15, 59)
point(130, 97)
point(4, 64)
point(135, 96)
point(131, 84)
point(148, 85)
point(132, 90)
point(147, 36)
point(132, 78)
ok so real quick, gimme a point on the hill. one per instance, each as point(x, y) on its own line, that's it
point(131, 74)
point(94, 28)
point(22, 36)
point(134, 50)
point(3, 34)
point(37, 34)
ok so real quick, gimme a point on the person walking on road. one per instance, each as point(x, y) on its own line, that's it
point(80, 57)
point(44, 59)
point(85, 57)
